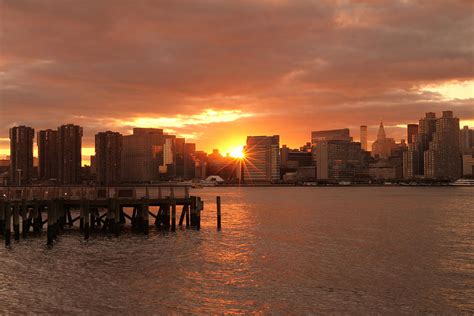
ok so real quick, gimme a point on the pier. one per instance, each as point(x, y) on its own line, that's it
point(96, 208)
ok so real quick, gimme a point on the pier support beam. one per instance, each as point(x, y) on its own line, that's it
point(50, 235)
point(145, 215)
point(2, 215)
point(86, 212)
point(218, 206)
point(116, 211)
point(16, 220)
point(173, 215)
point(8, 223)
point(24, 219)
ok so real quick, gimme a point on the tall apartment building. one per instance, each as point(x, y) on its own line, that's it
point(48, 164)
point(466, 140)
point(189, 160)
point(21, 155)
point(262, 162)
point(412, 132)
point(339, 160)
point(69, 153)
point(442, 159)
point(142, 155)
point(179, 146)
point(363, 137)
point(108, 156)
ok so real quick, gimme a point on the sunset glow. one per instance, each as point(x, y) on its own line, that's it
point(238, 152)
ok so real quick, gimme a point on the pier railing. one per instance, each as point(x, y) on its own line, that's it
point(152, 192)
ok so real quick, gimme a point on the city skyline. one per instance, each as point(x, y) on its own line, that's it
point(322, 66)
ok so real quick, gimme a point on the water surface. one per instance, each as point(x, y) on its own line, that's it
point(288, 250)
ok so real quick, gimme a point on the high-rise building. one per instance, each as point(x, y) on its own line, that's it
point(468, 164)
point(383, 146)
point(262, 155)
point(466, 140)
point(189, 160)
point(339, 160)
point(327, 135)
point(363, 137)
point(413, 159)
point(21, 154)
point(412, 132)
point(142, 155)
point(48, 166)
point(69, 153)
point(179, 145)
point(108, 155)
point(442, 159)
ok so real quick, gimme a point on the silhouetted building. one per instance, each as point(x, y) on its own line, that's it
point(363, 137)
point(262, 162)
point(108, 155)
point(48, 164)
point(69, 154)
point(383, 146)
point(466, 140)
point(179, 145)
point(21, 155)
point(339, 160)
point(442, 160)
point(292, 159)
point(468, 165)
point(328, 135)
point(412, 132)
point(200, 170)
point(142, 155)
point(189, 160)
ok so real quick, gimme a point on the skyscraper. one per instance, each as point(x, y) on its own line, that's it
point(383, 146)
point(189, 160)
point(47, 141)
point(339, 160)
point(412, 131)
point(442, 159)
point(108, 156)
point(363, 137)
point(466, 140)
point(327, 135)
point(142, 155)
point(262, 162)
point(179, 145)
point(21, 154)
point(69, 153)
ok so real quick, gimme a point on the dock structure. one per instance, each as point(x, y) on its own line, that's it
point(97, 208)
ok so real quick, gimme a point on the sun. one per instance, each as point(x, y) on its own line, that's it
point(238, 152)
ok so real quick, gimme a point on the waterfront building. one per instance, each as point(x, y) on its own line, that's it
point(21, 155)
point(262, 162)
point(48, 164)
point(292, 159)
point(189, 160)
point(328, 135)
point(142, 155)
point(442, 159)
point(363, 137)
point(468, 165)
point(200, 166)
point(107, 160)
point(69, 153)
point(412, 132)
point(466, 140)
point(413, 160)
point(383, 146)
point(339, 160)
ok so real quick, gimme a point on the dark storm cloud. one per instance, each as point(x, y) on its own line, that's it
point(294, 65)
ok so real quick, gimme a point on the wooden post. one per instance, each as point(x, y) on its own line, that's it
point(24, 219)
point(173, 215)
point(187, 215)
point(3, 204)
point(193, 211)
point(55, 218)
point(158, 216)
point(218, 204)
point(183, 214)
point(49, 241)
point(111, 215)
point(81, 215)
point(117, 217)
point(38, 220)
point(8, 223)
point(166, 215)
point(16, 220)
point(86, 219)
point(144, 211)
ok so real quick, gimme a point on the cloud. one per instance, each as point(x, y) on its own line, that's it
point(294, 65)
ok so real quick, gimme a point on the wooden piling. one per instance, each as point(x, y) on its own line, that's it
point(86, 219)
point(117, 217)
point(173, 215)
point(187, 215)
point(24, 219)
point(16, 220)
point(145, 215)
point(81, 215)
point(218, 206)
point(181, 217)
point(8, 223)
point(2, 215)
point(50, 233)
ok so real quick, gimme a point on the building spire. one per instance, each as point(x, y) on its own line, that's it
point(381, 133)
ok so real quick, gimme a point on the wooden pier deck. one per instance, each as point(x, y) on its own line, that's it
point(95, 208)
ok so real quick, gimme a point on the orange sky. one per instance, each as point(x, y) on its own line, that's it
point(217, 71)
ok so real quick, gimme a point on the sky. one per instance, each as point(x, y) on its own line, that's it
point(216, 71)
